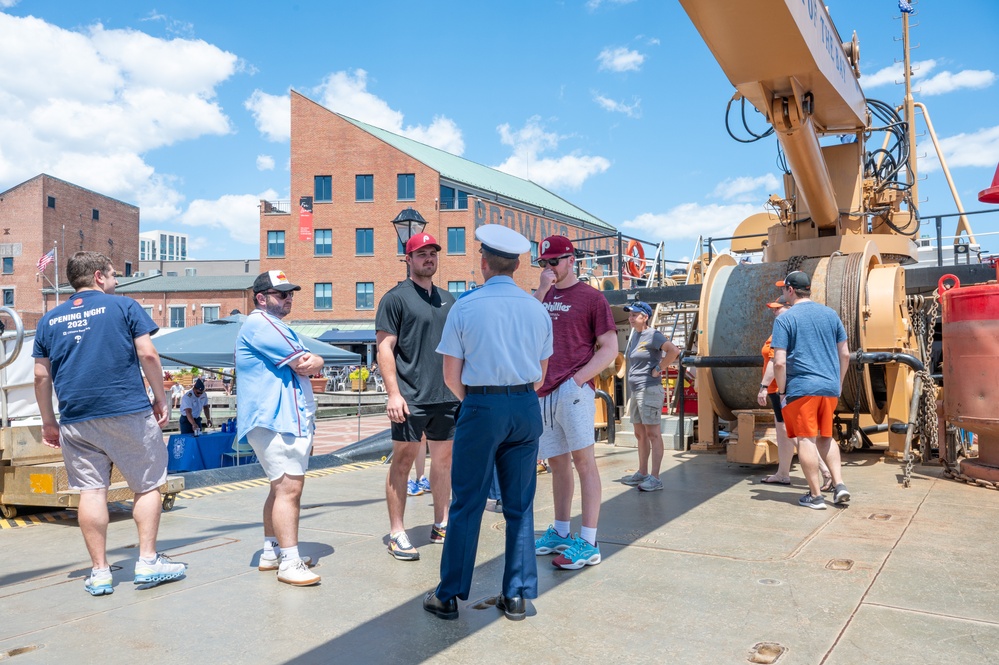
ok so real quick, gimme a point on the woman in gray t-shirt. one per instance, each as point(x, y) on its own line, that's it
point(647, 356)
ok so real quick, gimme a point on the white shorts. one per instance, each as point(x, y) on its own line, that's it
point(568, 415)
point(280, 454)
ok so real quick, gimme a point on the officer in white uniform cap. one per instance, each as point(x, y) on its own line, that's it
point(496, 344)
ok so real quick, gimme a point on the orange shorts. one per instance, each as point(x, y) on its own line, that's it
point(810, 416)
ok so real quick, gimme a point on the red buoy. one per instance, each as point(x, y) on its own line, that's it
point(991, 195)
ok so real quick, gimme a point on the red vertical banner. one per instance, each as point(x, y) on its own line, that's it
point(305, 218)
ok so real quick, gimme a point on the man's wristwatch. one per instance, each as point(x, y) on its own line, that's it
point(763, 386)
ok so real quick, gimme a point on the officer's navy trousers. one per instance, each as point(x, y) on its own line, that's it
point(504, 428)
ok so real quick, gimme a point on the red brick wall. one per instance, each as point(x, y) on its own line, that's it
point(26, 218)
point(161, 302)
point(323, 143)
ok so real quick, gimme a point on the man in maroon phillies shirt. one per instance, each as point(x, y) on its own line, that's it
point(585, 342)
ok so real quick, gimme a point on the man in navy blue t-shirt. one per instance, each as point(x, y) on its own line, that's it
point(91, 349)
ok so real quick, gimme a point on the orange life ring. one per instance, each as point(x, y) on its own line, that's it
point(636, 266)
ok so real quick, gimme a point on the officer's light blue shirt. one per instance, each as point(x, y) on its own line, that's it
point(501, 332)
point(270, 394)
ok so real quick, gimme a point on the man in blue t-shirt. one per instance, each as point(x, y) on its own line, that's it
point(811, 358)
point(91, 348)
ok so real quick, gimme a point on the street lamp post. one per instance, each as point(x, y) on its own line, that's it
point(408, 223)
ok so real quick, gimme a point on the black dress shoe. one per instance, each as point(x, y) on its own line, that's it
point(443, 609)
point(513, 607)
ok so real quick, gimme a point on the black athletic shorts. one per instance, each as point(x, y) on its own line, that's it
point(775, 405)
point(434, 420)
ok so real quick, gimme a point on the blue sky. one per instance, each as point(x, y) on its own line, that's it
point(181, 107)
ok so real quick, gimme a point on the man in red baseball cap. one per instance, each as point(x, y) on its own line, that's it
point(585, 342)
point(408, 328)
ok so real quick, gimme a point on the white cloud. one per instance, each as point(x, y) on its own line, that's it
point(5, 4)
point(979, 148)
point(593, 5)
point(745, 188)
point(198, 243)
point(265, 163)
point(530, 141)
point(239, 214)
point(620, 59)
point(938, 84)
point(271, 114)
point(687, 221)
point(945, 82)
point(346, 93)
point(633, 110)
point(85, 106)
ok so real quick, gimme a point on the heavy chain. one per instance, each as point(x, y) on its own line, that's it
point(954, 471)
point(923, 312)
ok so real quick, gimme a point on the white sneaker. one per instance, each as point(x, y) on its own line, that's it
point(650, 484)
point(296, 573)
point(161, 570)
point(494, 505)
point(634, 479)
point(274, 562)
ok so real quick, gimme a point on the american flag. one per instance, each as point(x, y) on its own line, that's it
point(44, 262)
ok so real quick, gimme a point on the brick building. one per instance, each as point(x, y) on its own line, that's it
point(45, 211)
point(358, 178)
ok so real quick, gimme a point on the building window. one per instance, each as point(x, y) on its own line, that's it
point(148, 309)
point(209, 313)
point(456, 240)
point(8, 297)
point(324, 296)
point(534, 252)
point(8, 265)
point(323, 239)
point(456, 288)
point(365, 295)
point(324, 188)
point(364, 188)
point(178, 315)
point(52, 202)
point(275, 243)
point(407, 186)
point(183, 248)
point(95, 215)
point(128, 268)
point(163, 247)
point(364, 242)
point(452, 199)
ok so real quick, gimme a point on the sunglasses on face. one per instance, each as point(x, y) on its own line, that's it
point(280, 295)
point(544, 263)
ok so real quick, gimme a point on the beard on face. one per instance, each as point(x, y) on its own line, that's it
point(417, 269)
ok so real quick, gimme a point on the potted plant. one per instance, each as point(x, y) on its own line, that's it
point(318, 383)
point(359, 379)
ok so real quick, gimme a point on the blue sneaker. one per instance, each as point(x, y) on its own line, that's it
point(551, 542)
point(424, 484)
point(413, 488)
point(579, 555)
point(161, 570)
point(99, 585)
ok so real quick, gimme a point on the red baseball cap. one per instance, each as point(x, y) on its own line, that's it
point(554, 246)
point(419, 241)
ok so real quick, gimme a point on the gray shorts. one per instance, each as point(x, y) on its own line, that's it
point(280, 454)
point(645, 407)
point(568, 415)
point(133, 443)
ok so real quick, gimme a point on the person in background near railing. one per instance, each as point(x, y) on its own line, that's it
point(91, 347)
point(408, 328)
point(176, 393)
point(192, 404)
point(648, 355)
point(276, 413)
